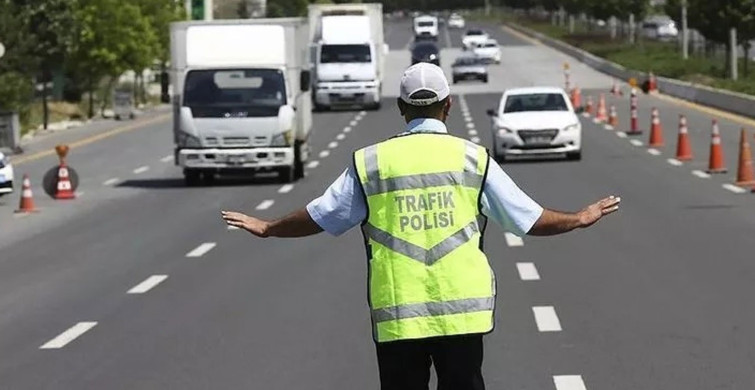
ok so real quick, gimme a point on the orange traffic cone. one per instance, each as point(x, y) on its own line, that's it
point(613, 118)
point(656, 131)
point(588, 109)
point(601, 115)
point(576, 97)
point(652, 82)
point(716, 161)
point(26, 205)
point(64, 188)
point(745, 174)
point(615, 90)
point(683, 145)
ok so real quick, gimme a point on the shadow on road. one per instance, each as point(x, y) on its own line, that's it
point(177, 182)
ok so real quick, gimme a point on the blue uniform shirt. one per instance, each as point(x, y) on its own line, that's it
point(342, 205)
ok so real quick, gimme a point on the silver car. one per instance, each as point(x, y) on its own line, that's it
point(469, 68)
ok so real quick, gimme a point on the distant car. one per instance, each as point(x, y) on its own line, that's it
point(535, 121)
point(473, 37)
point(488, 51)
point(469, 68)
point(456, 21)
point(660, 28)
point(6, 175)
point(425, 52)
point(426, 26)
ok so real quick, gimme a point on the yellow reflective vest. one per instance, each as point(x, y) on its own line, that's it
point(428, 276)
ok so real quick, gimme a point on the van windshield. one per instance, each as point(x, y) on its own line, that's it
point(426, 24)
point(535, 102)
point(345, 53)
point(236, 93)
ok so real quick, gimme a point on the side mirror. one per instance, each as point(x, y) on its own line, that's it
point(491, 112)
point(305, 80)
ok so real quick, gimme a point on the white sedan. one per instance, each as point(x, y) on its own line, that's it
point(6, 175)
point(473, 37)
point(456, 21)
point(488, 51)
point(535, 121)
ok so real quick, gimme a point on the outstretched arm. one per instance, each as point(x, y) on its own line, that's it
point(296, 224)
point(555, 222)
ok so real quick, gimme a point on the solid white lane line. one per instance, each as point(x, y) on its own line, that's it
point(313, 164)
point(621, 134)
point(636, 142)
point(546, 319)
point(527, 271)
point(353, 123)
point(475, 140)
point(654, 152)
point(674, 162)
point(265, 204)
point(201, 249)
point(69, 335)
point(147, 284)
point(569, 382)
point(513, 240)
point(110, 182)
point(324, 153)
point(341, 136)
point(733, 188)
point(285, 189)
point(347, 129)
point(166, 159)
point(141, 169)
point(470, 125)
point(701, 174)
point(473, 132)
point(333, 145)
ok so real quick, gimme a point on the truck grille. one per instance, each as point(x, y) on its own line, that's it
point(236, 141)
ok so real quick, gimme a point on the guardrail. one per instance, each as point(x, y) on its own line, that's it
point(734, 102)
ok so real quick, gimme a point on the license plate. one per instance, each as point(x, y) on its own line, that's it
point(236, 159)
point(538, 140)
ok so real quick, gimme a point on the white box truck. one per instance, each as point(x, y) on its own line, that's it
point(241, 99)
point(426, 27)
point(348, 54)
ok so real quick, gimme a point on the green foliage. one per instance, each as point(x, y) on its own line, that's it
point(286, 8)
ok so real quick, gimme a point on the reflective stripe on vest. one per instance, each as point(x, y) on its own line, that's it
point(428, 275)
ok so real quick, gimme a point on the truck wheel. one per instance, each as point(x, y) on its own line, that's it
point(192, 177)
point(298, 163)
point(287, 174)
point(208, 178)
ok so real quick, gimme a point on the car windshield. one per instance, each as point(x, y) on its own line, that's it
point(235, 92)
point(467, 61)
point(345, 53)
point(426, 24)
point(535, 102)
point(489, 45)
point(474, 32)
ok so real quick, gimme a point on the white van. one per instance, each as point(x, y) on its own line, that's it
point(426, 26)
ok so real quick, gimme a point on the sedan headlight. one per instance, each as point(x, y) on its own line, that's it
point(188, 141)
point(502, 131)
point(573, 127)
point(282, 139)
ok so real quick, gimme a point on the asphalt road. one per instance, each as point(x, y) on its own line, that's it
point(656, 297)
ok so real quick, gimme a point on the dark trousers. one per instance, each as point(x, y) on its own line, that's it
point(405, 365)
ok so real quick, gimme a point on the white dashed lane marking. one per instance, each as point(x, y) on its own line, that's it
point(733, 188)
point(110, 182)
point(201, 250)
point(147, 284)
point(167, 159)
point(353, 123)
point(636, 142)
point(608, 127)
point(701, 174)
point(654, 152)
point(470, 125)
point(286, 189)
point(475, 140)
point(313, 164)
point(341, 136)
point(472, 132)
point(513, 240)
point(621, 134)
point(333, 145)
point(674, 162)
point(265, 204)
point(569, 382)
point(69, 335)
point(141, 169)
point(527, 271)
point(347, 129)
point(324, 153)
point(546, 319)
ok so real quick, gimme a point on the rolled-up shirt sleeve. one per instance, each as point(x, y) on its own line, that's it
point(342, 205)
point(506, 204)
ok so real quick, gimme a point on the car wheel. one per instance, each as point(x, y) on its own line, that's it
point(574, 156)
point(192, 177)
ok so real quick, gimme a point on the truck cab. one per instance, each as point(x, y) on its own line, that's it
point(426, 27)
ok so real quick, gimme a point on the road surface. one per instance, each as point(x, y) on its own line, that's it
point(138, 284)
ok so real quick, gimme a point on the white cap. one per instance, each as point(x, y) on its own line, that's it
point(427, 77)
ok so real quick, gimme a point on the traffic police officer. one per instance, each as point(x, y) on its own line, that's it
point(422, 199)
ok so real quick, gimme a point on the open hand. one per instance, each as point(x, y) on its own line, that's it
point(594, 212)
point(253, 225)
